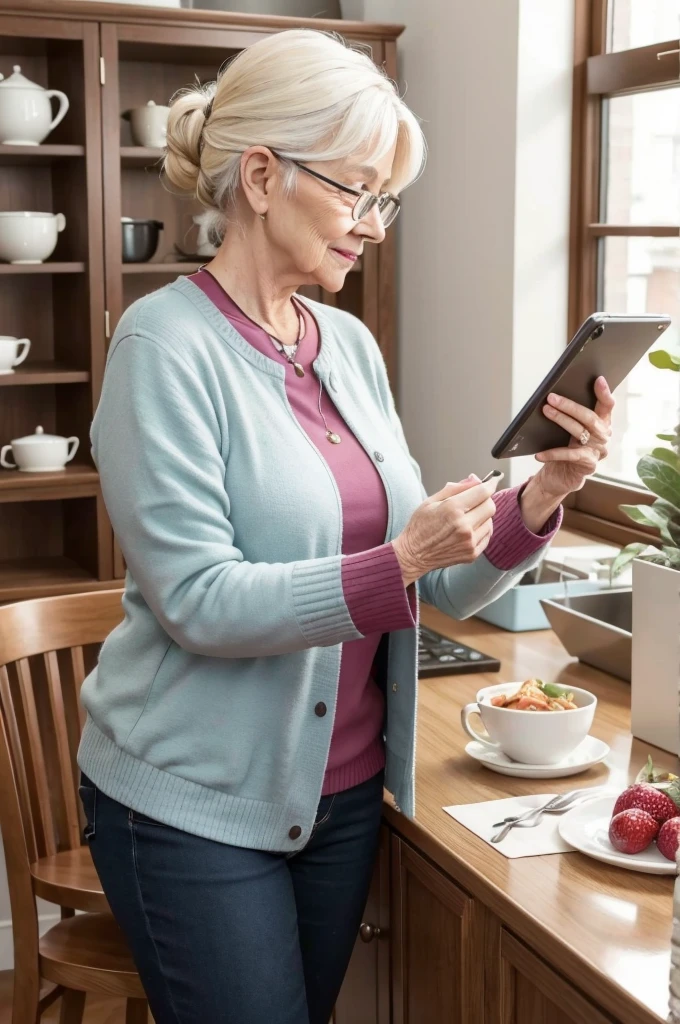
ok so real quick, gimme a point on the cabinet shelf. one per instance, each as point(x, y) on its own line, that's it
point(186, 267)
point(44, 373)
point(76, 481)
point(37, 155)
point(23, 578)
point(163, 268)
point(42, 268)
point(139, 156)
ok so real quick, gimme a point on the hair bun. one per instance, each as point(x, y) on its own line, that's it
point(189, 110)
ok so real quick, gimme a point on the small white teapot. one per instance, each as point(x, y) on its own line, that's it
point(25, 110)
point(148, 124)
point(39, 452)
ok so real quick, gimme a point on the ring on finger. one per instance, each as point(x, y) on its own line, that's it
point(585, 437)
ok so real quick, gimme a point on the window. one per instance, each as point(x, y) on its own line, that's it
point(625, 220)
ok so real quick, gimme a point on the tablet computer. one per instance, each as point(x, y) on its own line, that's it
point(605, 345)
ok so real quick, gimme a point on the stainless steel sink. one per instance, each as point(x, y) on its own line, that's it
point(596, 628)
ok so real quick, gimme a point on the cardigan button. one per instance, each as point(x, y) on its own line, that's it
point(379, 457)
point(295, 832)
point(320, 709)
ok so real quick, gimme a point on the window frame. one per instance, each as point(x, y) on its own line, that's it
point(599, 75)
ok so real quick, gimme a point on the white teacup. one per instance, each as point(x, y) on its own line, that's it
point(530, 737)
point(10, 354)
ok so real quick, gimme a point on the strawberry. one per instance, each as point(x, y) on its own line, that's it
point(668, 838)
point(646, 798)
point(632, 830)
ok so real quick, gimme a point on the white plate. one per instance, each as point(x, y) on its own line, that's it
point(588, 753)
point(586, 828)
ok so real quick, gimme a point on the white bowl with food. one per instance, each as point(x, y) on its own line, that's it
point(532, 722)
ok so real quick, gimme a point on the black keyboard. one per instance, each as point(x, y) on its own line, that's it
point(439, 656)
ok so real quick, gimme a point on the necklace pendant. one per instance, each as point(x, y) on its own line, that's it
point(332, 437)
point(299, 369)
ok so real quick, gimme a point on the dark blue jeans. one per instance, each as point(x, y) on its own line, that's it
point(225, 935)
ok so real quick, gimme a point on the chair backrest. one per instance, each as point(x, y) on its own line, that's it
point(47, 647)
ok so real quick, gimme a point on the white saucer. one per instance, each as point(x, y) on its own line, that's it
point(586, 828)
point(588, 753)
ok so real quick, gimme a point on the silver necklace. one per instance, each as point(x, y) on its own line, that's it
point(289, 353)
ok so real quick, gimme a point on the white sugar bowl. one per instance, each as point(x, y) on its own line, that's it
point(39, 452)
point(29, 237)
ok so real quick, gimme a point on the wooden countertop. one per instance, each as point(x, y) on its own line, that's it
point(606, 929)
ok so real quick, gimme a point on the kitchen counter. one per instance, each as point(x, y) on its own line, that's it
point(604, 929)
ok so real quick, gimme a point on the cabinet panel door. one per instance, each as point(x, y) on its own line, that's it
point(437, 977)
point(532, 993)
point(365, 995)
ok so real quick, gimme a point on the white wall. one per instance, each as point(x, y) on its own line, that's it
point(483, 235)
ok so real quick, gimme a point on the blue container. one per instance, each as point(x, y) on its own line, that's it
point(519, 609)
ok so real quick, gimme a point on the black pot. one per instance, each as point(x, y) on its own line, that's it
point(140, 239)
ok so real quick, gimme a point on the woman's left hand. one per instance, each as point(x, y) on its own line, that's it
point(567, 469)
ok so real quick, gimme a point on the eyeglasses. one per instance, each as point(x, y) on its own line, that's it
point(388, 205)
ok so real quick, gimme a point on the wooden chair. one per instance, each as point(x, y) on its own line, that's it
point(47, 647)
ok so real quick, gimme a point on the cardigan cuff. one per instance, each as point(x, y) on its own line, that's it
point(512, 541)
point(374, 590)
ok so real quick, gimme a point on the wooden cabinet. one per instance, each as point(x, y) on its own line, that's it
point(365, 996)
point(435, 955)
point(54, 533)
point(437, 978)
point(528, 991)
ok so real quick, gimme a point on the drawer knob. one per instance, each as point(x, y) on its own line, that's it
point(368, 932)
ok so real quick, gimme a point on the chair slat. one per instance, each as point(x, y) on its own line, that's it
point(78, 670)
point(34, 754)
point(69, 826)
point(72, 667)
point(17, 758)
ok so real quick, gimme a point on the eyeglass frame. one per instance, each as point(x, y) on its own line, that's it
point(360, 193)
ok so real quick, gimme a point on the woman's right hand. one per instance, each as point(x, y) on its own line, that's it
point(451, 527)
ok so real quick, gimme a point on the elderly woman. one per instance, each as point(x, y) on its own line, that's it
point(261, 690)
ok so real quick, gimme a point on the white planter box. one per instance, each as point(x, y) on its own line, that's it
point(655, 677)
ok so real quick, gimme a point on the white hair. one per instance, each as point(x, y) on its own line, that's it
point(308, 95)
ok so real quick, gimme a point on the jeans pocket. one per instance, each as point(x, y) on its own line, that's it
point(322, 815)
point(135, 818)
point(88, 798)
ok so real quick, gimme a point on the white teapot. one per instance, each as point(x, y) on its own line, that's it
point(25, 110)
point(148, 124)
point(39, 452)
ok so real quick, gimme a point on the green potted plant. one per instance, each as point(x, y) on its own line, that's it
point(660, 473)
point(656, 591)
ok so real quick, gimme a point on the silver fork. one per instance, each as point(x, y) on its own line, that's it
point(558, 804)
point(537, 810)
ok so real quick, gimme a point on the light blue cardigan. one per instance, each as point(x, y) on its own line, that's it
point(201, 709)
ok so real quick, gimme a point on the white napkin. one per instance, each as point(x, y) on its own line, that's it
point(519, 842)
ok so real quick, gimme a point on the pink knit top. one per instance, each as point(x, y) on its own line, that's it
point(376, 597)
